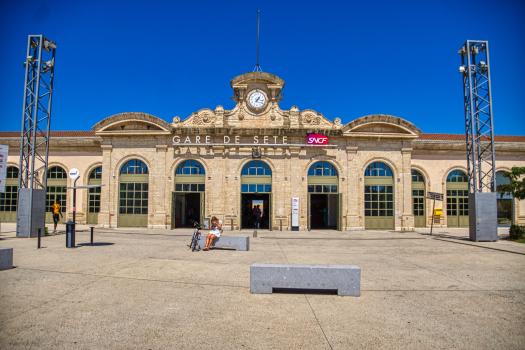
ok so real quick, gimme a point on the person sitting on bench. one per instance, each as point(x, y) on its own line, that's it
point(216, 227)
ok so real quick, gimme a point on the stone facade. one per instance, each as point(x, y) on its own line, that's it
point(223, 142)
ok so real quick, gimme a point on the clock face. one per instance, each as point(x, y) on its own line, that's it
point(257, 99)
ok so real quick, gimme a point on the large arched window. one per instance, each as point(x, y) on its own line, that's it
point(418, 199)
point(457, 176)
point(457, 199)
point(505, 212)
point(322, 178)
point(322, 169)
point(56, 189)
point(9, 199)
point(378, 169)
point(56, 172)
point(256, 177)
point(256, 167)
point(95, 178)
point(134, 167)
point(379, 197)
point(190, 167)
point(134, 193)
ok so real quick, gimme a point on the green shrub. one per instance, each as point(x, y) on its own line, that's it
point(516, 232)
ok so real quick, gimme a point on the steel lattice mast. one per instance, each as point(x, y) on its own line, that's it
point(481, 161)
point(36, 121)
point(478, 116)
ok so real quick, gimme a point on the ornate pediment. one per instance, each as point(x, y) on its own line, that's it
point(311, 119)
point(381, 125)
point(131, 123)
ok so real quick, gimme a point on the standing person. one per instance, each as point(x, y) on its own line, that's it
point(254, 214)
point(261, 216)
point(216, 227)
point(56, 212)
point(258, 217)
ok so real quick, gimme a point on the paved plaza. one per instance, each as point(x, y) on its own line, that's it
point(144, 289)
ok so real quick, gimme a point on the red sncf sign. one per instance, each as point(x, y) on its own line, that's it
point(316, 139)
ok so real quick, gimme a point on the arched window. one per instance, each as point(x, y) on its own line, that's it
point(256, 167)
point(56, 190)
point(322, 178)
point(457, 199)
point(8, 199)
point(504, 201)
point(12, 172)
point(378, 169)
point(96, 173)
point(56, 172)
point(322, 169)
point(190, 167)
point(189, 177)
point(95, 178)
point(256, 177)
point(134, 193)
point(134, 167)
point(379, 197)
point(418, 199)
point(457, 176)
point(417, 177)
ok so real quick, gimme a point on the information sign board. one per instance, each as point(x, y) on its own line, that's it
point(3, 166)
point(295, 212)
point(74, 173)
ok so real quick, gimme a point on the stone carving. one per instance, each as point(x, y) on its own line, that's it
point(310, 118)
point(176, 120)
point(337, 122)
point(204, 118)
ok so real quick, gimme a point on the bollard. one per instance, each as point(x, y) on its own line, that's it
point(39, 235)
point(281, 226)
point(232, 224)
point(92, 228)
point(254, 233)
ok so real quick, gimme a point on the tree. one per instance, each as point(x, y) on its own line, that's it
point(515, 187)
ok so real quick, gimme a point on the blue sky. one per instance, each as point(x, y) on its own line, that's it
point(344, 59)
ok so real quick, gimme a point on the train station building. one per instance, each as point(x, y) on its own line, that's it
point(371, 173)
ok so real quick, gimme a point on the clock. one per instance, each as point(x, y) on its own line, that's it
point(257, 99)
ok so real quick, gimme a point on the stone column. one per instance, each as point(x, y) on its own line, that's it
point(407, 218)
point(351, 190)
point(105, 195)
point(158, 180)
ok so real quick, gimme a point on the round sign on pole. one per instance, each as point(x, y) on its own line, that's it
point(74, 173)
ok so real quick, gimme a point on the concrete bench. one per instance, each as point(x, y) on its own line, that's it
point(346, 279)
point(6, 258)
point(239, 243)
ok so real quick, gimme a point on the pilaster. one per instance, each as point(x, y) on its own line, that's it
point(158, 182)
point(104, 218)
point(407, 220)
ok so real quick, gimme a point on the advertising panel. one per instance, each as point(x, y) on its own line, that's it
point(3, 166)
point(295, 214)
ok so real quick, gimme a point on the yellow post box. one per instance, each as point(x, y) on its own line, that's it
point(438, 212)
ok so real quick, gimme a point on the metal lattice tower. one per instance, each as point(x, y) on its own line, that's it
point(36, 117)
point(475, 68)
point(34, 141)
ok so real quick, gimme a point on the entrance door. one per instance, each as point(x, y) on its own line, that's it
point(185, 208)
point(324, 211)
point(249, 201)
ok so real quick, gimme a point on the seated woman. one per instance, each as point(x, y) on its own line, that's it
point(216, 227)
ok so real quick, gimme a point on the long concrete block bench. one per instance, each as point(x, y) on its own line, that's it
point(346, 279)
point(239, 243)
point(6, 258)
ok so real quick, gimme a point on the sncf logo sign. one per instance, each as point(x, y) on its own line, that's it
point(316, 139)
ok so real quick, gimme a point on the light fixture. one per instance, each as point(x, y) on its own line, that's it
point(475, 50)
point(462, 69)
point(30, 59)
point(481, 64)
